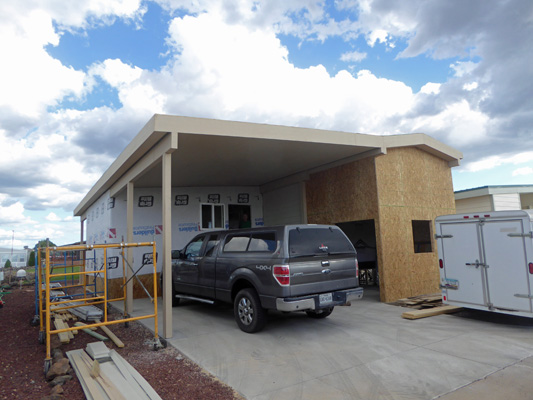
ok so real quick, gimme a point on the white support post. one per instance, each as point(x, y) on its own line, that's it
point(129, 239)
point(166, 269)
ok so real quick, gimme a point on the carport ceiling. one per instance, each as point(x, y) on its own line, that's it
point(213, 160)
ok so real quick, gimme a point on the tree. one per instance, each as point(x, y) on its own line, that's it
point(42, 243)
point(8, 264)
point(31, 259)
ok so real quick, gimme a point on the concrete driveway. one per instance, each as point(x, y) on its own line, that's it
point(366, 351)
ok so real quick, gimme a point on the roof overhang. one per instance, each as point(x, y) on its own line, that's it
point(209, 152)
point(491, 190)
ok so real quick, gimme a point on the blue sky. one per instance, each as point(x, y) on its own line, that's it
point(82, 78)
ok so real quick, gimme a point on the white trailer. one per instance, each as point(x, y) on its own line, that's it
point(486, 260)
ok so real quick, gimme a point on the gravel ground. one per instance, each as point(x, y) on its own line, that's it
point(22, 358)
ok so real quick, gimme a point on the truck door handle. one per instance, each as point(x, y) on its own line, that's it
point(325, 263)
point(326, 271)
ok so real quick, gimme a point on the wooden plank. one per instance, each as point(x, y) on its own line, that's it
point(430, 312)
point(132, 375)
point(105, 383)
point(92, 328)
point(91, 388)
point(111, 335)
point(63, 336)
point(93, 334)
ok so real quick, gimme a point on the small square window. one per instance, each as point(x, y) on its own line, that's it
point(422, 237)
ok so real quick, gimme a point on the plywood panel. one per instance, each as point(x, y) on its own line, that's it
point(412, 185)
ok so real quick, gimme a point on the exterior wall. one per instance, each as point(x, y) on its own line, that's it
point(412, 185)
point(509, 201)
point(474, 204)
point(284, 206)
point(342, 194)
point(526, 201)
point(394, 189)
point(18, 258)
point(107, 223)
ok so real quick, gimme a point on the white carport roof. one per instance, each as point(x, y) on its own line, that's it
point(209, 152)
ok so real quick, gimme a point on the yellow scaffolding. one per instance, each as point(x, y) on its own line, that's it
point(88, 297)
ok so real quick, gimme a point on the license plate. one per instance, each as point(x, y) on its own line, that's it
point(325, 298)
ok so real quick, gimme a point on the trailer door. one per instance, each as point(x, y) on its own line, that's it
point(507, 267)
point(461, 250)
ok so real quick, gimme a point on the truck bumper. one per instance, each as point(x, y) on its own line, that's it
point(313, 302)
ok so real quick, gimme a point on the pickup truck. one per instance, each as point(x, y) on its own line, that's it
point(310, 268)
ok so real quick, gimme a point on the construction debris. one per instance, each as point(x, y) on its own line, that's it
point(430, 312)
point(420, 302)
point(86, 313)
point(104, 374)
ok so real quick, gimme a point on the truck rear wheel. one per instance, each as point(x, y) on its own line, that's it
point(250, 315)
point(319, 314)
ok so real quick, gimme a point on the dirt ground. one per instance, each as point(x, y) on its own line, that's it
point(22, 358)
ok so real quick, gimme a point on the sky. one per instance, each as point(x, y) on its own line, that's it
point(79, 79)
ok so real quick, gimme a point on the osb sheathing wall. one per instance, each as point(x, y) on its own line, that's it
point(393, 189)
point(115, 289)
point(412, 185)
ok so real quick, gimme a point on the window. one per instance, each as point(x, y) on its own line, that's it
point(212, 216)
point(263, 241)
point(422, 236)
point(211, 245)
point(237, 243)
point(318, 241)
point(193, 248)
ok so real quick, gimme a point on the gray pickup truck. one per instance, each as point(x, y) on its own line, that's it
point(309, 268)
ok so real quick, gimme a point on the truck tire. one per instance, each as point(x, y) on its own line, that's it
point(319, 314)
point(250, 315)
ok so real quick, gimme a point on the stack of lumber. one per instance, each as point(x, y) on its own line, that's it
point(86, 313)
point(430, 312)
point(104, 374)
point(420, 302)
point(60, 319)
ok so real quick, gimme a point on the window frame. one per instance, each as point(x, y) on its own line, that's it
point(214, 227)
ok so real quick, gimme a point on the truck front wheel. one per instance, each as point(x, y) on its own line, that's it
point(250, 315)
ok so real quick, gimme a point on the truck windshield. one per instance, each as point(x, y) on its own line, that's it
point(318, 241)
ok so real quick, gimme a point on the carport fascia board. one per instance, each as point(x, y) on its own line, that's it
point(160, 125)
point(167, 145)
point(427, 144)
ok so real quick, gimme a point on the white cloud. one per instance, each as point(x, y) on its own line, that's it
point(470, 86)
point(462, 68)
point(430, 88)
point(353, 56)
point(52, 217)
point(523, 171)
point(497, 160)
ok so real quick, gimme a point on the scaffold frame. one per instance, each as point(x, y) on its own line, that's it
point(48, 303)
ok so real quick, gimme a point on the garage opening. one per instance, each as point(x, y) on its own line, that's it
point(362, 234)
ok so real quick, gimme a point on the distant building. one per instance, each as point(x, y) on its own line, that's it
point(494, 198)
point(18, 257)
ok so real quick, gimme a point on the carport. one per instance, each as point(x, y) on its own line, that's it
point(294, 170)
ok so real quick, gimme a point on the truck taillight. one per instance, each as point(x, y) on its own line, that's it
point(531, 268)
point(282, 274)
point(441, 263)
point(356, 268)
